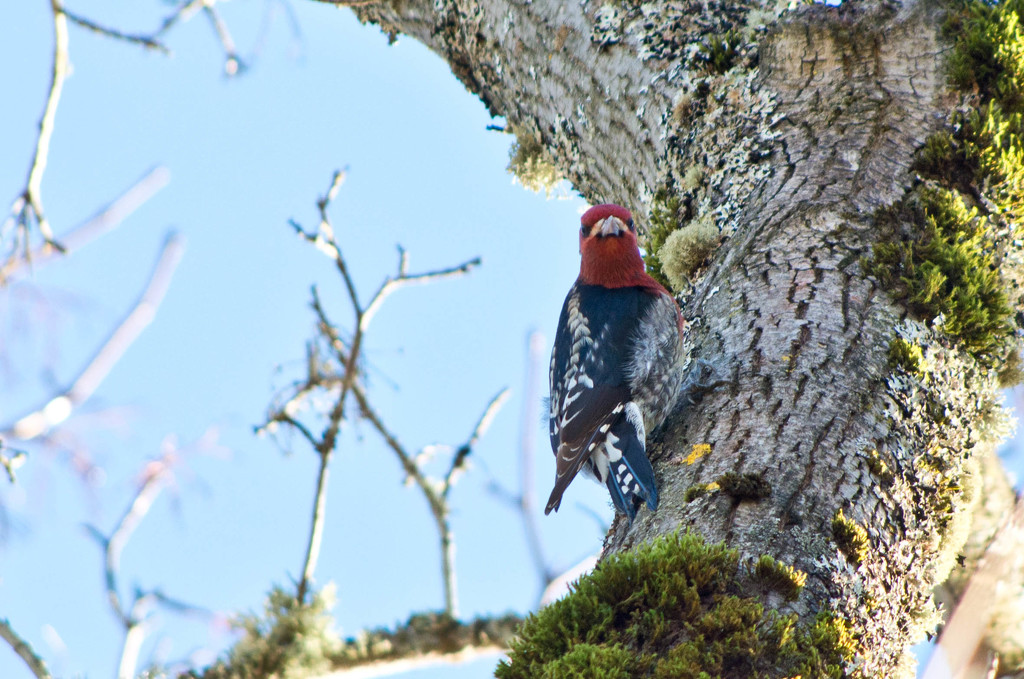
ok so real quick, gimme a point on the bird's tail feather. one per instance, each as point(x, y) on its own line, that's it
point(631, 477)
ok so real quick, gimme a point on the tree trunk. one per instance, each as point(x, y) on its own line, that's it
point(849, 412)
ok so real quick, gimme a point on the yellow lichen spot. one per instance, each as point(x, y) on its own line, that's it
point(698, 451)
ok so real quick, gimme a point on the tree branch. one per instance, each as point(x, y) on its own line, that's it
point(24, 650)
point(233, 64)
point(109, 217)
point(462, 454)
point(29, 205)
point(149, 42)
point(524, 503)
point(425, 640)
point(527, 504)
point(344, 378)
point(60, 407)
point(967, 626)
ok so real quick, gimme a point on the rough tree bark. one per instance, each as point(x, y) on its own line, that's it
point(796, 129)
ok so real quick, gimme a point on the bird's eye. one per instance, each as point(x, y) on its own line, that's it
point(630, 225)
point(583, 230)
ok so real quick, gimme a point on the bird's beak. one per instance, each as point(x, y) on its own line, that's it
point(610, 226)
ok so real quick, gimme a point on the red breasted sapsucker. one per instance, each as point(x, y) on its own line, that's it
point(616, 365)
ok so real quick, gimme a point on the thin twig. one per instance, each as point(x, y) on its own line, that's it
point(370, 415)
point(483, 424)
point(11, 463)
point(184, 12)
point(436, 499)
point(119, 209)
point(344, 379)
point(132, 646)
point(350, 3)
point(113, 545)
point(24, 650)
point(59, 408)
point(326, 444)
point(29, 204)
point(527, 456)
point(524, 502)
point(438, 504)
point(149, 42)
point(109, 217)
point(233, 64)
point(136, 619)
point(316, 531)
point(404, 280)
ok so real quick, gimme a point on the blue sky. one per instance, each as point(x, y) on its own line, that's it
point(245, 156)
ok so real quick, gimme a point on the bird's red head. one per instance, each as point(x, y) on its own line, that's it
point(609, 252)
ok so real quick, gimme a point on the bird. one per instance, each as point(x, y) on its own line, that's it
point(616, 365)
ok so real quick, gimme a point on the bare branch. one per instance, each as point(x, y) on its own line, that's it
point(438, 504)
point(115, 212)
point(136, 619)
point(524, 502)
point(406, 460)
point(425, 640)
point(59, 408)
point(404, 280)
point(343, 377)
point(490, 412)
point(966, 627)
point(462, 454)
point(103, 221)
point(29, 205)
point(146, 41)
point(24, 650)
point(11, 463)
point(153, 482)
point(233, 64)
point(135, 635)
point(316, 531)
point(325, 445)
point(536, 345)
point(186, 10)
point(435, 493)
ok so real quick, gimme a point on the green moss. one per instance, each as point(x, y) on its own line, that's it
point(667, 212)
point(530, 164)
point(982, 148)
point(989, 53)
point(905, 355)
point(779, 577)
point(945, 266)
point(850, 537)
point(596, 662)
point(744, 486)
point(878, 467)
point(289, 641)
point(699, 490)
point(719, 53)
point(673, 608)
point(966, 219)
point(686, 249)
